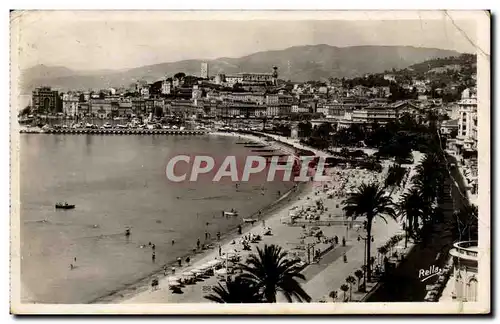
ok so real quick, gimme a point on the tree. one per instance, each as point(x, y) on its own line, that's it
point(270, 270)
point(468, 222)
point(395, 175)
point(305, 129)
point(370, 201)
point(333, 295)
point(350, 280)
point(238, 290)
point(25, 111)
point(410, 208)
point(359, 274)
point(179, 75)
point(344, 288)
point(323, 131)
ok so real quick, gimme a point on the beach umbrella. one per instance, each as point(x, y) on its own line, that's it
point(221, 272)
point(215, 263)
point(188, 274)
point(197, 272)
point(173, 281)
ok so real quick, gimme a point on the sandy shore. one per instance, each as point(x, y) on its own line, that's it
point(287, 236)
point(200, 257)
point(322, 275)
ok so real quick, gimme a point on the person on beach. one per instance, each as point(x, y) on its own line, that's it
point(220, 250)
point(198, 244)
point(218, 236)
point(343, 241)
point(173, 242)
point(239, 229)
point(179, 262)
point(187, 260)
point(75, 259)
point(336, 239)
point(71, 266)
point(127, 232)
point(149, 243)
point(153, 257)
point(345, 258)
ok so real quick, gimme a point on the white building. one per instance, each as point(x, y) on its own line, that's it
point(467, 119)
point(166, 87)
point(465, 278)
point(70, 105)
point(233, 79)
point(204, 70)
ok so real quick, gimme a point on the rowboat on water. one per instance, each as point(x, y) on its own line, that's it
point(249, 220)
point(230, 213)
point(64, 206)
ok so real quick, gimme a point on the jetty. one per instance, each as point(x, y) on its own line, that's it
point(114, 131)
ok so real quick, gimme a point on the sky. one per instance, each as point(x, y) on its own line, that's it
point(108, 40)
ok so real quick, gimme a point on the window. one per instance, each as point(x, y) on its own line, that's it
point(459, 286)
point(472, 290)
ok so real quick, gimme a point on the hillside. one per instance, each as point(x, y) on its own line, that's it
point(299, 63)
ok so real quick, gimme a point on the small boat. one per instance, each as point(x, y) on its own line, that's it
point(249, 220)
point(230, 213)
point(64, 206)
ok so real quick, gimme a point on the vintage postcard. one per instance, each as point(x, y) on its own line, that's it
point(250, 162)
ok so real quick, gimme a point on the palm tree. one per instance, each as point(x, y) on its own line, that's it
point(395, 175)
point(370, 201)
point(359, 274)
point(344, 288)
point(271, 271)
point(350, 280)
point(410, 208)
point(333, 295)
point(235, 291)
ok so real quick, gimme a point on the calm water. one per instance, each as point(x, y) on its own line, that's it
point(116, 182)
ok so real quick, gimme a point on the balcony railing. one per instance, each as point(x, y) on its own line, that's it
point(465, 248)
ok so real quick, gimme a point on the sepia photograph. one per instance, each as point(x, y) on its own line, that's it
point(250, 162)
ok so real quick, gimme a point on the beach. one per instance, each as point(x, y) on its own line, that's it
point(323, 274)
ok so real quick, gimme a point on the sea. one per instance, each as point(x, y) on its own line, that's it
point(119, 182)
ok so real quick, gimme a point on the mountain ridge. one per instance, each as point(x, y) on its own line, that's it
point(296, 63)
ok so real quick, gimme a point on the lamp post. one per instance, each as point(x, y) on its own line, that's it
point(365, 239)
